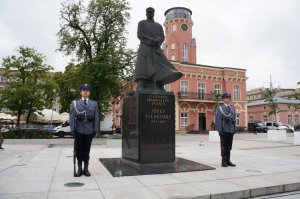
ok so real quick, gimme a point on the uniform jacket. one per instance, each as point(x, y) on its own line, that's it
point(226, 121)
point(84, 111)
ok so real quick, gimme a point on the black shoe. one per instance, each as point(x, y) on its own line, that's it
point(230, 164)
point(2, 148)
point(86, 169)
point(79, 171)
point(224, 163)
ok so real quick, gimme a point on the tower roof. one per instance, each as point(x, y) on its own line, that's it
point(178, 12)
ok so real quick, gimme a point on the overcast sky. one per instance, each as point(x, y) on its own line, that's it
point(261, 36)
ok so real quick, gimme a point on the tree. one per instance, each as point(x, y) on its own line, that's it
point(68, 88)
point(216, 97)
point(28, 90)
point(95, 33)
point(268, 97)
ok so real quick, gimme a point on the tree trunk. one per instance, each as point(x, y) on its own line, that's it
point(19, 117)
point(28, 115)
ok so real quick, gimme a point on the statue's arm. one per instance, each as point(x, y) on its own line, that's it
point(142, 36)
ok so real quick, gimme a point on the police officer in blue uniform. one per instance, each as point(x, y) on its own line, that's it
point(226, 125)
point(84, 123)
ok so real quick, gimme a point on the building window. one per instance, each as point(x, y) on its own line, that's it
point(265, 118)
point(1, 79)
point(1, 88)
point(183, 119)
point(237, 119)
point(218, 88)
point(173, 46)
point(251, 119)
point(296, 119)
point(184, 53)
point(289, 119)
point(236, 92)
point(173, 58)
point(184, 88)
point(201, 91)
point(167, 87)
point(174, 27)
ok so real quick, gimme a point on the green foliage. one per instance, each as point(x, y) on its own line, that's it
point(115, 136)
point(26, 135)
point(29, 89)
point(68, 88)
point(269, 98)
point(216, 97)
point(95, 33)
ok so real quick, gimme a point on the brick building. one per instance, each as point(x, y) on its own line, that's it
point(194, 91)
point(288, 106)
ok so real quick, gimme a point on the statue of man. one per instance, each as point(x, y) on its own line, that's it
point(152, 70)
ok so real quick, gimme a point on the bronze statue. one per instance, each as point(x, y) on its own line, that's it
point(152, 70)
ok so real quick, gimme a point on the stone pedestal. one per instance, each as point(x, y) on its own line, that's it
point(149, 128)
point(214, 136)
point(276, 135)
point(297, 137)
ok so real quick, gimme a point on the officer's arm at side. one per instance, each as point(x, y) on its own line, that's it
point(96, 121)
point(72, 118)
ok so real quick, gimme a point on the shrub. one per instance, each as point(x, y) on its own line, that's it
point(26, 135)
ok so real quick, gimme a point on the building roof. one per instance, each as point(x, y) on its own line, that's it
point(178, 8)
point(278, 100)
point(207, 66)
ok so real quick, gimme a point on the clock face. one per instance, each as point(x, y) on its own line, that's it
point(184, 27)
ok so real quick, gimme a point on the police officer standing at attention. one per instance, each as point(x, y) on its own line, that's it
point(226, 125)
point(84, 123)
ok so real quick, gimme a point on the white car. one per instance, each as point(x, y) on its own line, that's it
point(281, 127)
point(290, 128)
point(4, 129)
point(62, 130)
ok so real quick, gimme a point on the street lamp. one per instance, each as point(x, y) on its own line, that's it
point(53, 101)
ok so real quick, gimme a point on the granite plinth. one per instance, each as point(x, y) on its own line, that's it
point(121, 167)
point(149, 127)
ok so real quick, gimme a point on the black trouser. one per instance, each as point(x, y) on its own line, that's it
point(83, 146)
point(226, 145)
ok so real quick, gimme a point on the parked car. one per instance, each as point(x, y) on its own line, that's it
point(27, 127)
point(62, 130)
point(48, 128)
point(290, 128)
point(118, 130)
point(275, 126)
point(297, 127)
point(261, 128)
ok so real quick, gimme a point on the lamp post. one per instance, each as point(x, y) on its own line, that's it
point(270, 98)
point(53, 101)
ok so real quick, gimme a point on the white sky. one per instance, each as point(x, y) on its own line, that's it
point(261, 36)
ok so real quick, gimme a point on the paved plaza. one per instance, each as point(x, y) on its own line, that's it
point(38, 169)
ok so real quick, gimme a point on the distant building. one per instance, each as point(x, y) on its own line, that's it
point(288, 106)
point(194, 99)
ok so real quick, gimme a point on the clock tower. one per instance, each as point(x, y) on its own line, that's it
point(179, 44)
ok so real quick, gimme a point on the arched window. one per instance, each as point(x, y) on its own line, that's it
point(184, 53)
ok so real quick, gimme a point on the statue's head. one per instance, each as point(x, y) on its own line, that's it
point(150, 13)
